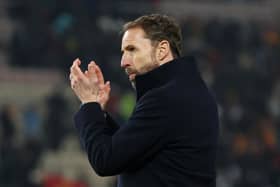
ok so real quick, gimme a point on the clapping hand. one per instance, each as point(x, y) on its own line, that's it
point(89, 86)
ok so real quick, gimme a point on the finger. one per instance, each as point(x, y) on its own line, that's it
point(72, 76)
point(99, 75)
point(91, 64)
point(91, 68)
point(72, 66)
point(76, 62)
point(78, 73)
point(76, 70)
point(91, 73)
point(107, 87)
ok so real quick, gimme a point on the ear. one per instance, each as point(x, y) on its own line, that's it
point(163, 51)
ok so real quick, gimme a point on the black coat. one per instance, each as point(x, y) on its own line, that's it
point(170, 140)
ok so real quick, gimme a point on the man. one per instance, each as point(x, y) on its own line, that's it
point(171, 137)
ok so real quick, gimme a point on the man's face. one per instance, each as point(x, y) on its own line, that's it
point(138, 54)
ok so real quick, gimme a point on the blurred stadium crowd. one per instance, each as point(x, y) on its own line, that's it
point(239, 60)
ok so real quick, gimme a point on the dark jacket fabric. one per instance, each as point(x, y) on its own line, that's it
point(170, 140)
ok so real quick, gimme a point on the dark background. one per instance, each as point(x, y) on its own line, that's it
point(236, 43)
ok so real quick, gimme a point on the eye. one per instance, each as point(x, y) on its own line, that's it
point(131, 48)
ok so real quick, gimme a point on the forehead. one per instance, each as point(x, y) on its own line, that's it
point(133, 36)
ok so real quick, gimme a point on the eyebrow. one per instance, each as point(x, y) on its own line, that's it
point(127, 47)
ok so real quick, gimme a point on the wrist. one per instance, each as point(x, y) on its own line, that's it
point(89, 101)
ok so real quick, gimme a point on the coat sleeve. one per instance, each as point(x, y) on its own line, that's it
point(130, 146)
point(112, 125)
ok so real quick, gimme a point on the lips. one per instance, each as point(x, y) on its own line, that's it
point(128, 71)
point(130, 74)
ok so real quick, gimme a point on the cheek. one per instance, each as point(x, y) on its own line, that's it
point(138, 63)
point(142, 62)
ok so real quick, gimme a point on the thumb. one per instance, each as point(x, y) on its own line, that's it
point(107, 86)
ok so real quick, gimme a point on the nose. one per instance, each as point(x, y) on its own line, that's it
point(124, 61)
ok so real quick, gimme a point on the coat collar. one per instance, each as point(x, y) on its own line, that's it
point(181, 67)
